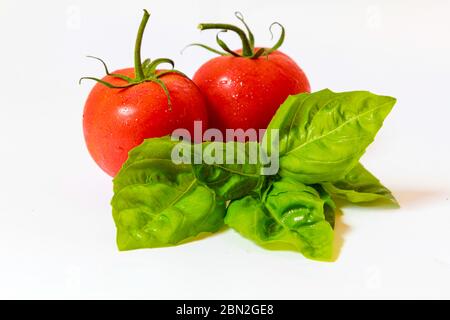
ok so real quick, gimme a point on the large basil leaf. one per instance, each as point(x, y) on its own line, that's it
point(359, 185)
point(236, 173)
point(158, 203)
point(322, 135)
point(290, 215)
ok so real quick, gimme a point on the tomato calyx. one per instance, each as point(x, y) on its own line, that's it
point(248, 39)
point(144, 71)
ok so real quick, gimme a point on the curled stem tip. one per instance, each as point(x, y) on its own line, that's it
point(282, 36)
point(102, 62)
point(251, 38)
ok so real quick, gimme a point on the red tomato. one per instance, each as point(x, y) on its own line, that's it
point(244, 88)
point(245, 93)
point(130, 105)
point(117, 120)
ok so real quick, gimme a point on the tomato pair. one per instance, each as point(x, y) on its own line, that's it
point(238, 90)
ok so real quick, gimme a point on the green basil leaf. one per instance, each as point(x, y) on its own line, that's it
point(237, 171)
point(322, 135)
point(149, 162)
point(289, 216)
point(329, 208)
point(359, 185)
point(158, 203)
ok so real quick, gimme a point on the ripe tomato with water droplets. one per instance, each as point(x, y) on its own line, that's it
point(246, 93)
point(117, 120)
point(129, 105)
point(244, 88)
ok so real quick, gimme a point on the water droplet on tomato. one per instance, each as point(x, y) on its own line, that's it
point(126, 111)
point(225, 81)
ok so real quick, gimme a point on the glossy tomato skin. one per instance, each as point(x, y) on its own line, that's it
point(245, 93)
point(117, 120)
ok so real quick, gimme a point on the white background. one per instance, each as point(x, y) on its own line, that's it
point(57, 236)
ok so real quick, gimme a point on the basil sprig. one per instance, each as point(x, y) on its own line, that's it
point(320, 140)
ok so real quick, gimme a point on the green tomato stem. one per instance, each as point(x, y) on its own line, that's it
point(138, 70)
point(144, 72)
point(246, 47)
